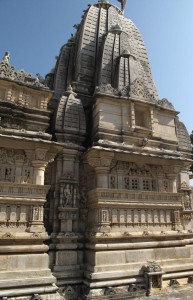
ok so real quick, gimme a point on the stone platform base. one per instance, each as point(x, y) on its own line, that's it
point(113, 293)
point(55, 296)
point(35, 297)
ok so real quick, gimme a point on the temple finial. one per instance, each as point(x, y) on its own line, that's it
point(123, 4)
point(6, 57)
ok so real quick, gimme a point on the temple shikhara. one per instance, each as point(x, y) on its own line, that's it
point(95, 201)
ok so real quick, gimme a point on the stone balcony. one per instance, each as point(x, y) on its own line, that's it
point(132, 198)
point(121, 210)
point(9, 190)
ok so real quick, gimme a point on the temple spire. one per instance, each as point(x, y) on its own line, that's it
point(123, 4)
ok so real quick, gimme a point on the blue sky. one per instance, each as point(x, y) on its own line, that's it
point(33, 32)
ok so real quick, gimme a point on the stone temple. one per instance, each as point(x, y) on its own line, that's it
point(95, 201)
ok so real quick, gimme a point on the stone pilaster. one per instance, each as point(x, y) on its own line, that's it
point(101, 162)
point(65, 249)
point(172, 183)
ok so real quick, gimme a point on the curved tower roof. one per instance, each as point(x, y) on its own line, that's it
point(106, 49)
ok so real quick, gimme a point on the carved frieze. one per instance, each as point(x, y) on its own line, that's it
point(7, 188)
point(40, 153)
point(132, 168)
point(153, 197)
point(132, 217)
point(136, 89)
point(15, 166)
point(67, 215)
point(7, 235)
point(166, 104)
point(10, 122)
point(106, 89)
point(137, 176)
point(139, 89)
point(19, 216)
point(98, 159)
point(10, 156)
point(9, 72)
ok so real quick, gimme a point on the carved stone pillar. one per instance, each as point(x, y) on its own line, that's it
point(39, 170)
point(172, 183)
point(18, 172)
point(132, 107)
point(102, 177)
point(101, 162)
point(120, 183)
point(65, 249)
point(176, 220)
point(161, 183)
point(39, 160)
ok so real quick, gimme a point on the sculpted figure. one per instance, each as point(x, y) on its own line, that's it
point(6, 57)
point(8, 174)
point(68, 193)
point(187, 202)
point(36, 214)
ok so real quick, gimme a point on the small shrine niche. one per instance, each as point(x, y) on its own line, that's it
point(153, 276)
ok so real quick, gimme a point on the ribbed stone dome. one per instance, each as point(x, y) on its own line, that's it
point(183, 137)
point(106, 49)
point(70, 123)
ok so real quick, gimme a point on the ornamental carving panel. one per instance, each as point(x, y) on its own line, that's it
point(67, 215)
point(106, 89)
point(133, 176)
point(166, 104)
point(9, 156)
point(9, 72)
point(27, 175)
point(187, 202)
point(130, 218)
point(15, 166)
point(37, 213)
point(68, 195)
point(23, 190)
point(139, 89)
point(14, 216)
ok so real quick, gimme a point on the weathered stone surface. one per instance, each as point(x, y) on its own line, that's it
point(101, 165)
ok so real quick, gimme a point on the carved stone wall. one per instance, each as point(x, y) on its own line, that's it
point(24, 154)
point(102, 168)
point(147, 177)
point(15, 166)
point(138, 211)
